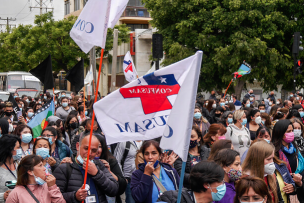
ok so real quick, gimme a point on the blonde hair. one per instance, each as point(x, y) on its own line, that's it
point(254, 163)
point(296, 120)
point(238, 114)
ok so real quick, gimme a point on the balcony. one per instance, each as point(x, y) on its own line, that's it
point(136, 12)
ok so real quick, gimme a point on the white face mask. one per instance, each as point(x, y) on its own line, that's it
point(297, 132)
point(214, 106)
point(258, 120)
point(11, 128)
point(278, 102)
point(269, 169)
point(270, 103)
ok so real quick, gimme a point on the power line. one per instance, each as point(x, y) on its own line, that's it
point(41, 5)
point(21, 9)
point(8, 25)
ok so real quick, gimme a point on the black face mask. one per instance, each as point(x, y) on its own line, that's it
point(74, 125)
point(218, 115)
point(8, 114)
point(79, 103)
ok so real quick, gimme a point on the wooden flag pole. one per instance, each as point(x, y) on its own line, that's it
point(92, 124)
point(228, 87)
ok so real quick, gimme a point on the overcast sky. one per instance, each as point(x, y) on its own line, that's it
point(20, 10)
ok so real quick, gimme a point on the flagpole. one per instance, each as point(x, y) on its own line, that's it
point(54, 95)
point(92, 124)
point(181, 182)
point(228, 87)
point(84, 100)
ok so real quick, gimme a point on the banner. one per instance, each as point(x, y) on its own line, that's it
point(15, 105)
point(117, 8)
point(129, 68)
point(142, 109)
point(38, 121)
point(90, 29)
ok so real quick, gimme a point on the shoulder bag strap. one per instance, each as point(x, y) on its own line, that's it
point(159, 184)
point(125, 154)
point(33, 196)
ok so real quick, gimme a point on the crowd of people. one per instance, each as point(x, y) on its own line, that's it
point(249, 151)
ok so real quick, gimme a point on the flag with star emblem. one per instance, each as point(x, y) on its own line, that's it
point(129, 68)
point(142, 109)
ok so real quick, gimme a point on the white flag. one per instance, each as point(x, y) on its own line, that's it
point(90, 29)
point(89, 77)
point(129, 68)
point(140, 110)
point(117, 7)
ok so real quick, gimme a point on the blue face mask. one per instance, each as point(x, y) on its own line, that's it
point(65, 104)
point(221, 190)
point(26, 138)
point(43, 152)
point(38, 180)
point(18, 155)
point(301, 114)
point(45, 97)
point(267, 141)
point(86, 113)
point(262, 111)
point(55, 102)
point(247, 105)
point(30, 114)
point(15, 97)
point(20, 109)
point(154, 165)
point(222, 104)
point(230, 120)
point(263, 122)
point(50, 140)
point(80, 160)
point(197, 115)
point(244, 121)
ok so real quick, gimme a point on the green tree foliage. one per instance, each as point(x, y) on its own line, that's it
point(26, 46)
point(230, 31)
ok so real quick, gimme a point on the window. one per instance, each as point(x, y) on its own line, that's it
point(136, 3)
point(137, 26)
point(66, 7)
point(76, 5)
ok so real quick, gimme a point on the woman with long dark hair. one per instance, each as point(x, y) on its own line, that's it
point(10, 152)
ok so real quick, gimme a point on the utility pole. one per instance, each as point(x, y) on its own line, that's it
point(7, 24)
point(41, 4)
point(114, 61)
point(296, 48)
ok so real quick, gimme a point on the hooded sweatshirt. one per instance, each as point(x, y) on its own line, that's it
point(240, 138)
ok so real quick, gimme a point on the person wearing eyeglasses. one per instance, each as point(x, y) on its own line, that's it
point(59, 150)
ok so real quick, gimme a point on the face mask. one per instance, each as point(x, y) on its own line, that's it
point(247, 105)
point(267, 141)
point(38, 180)
point(297, 132)
point(291, 95)
point(197, 115)
point(244, 122)
point(193, 143)
point(63, 95)
point(221, 138)
point(252, 202)
point(27, 101)
point(86, 113)
point(263, 122)
point(26, 138)
point(20, 109)
point(289, 137)
point(45, 97)
point(297, 98)
point(217, 115)
point(74, 125)
point(301, 114)
point(230, 120)
point(8, 114)
point(18, 155)
point(278, 102)
point(30, 114)
point(214, 106)
point(154, 165)
point(50, 140)
point(270, 103)
point(10, 128)
point(39, 102)
point(43, 152)
point(55, 102)
point(206, 104)
point(269, 169)
point(65, 104)
point(262, 111)
point(221, 190)
point(222, 104)
point(258, 120)
point(251, 99)
point(234, 175)
point(15, 97)
point(226, 102)
point(80, 160)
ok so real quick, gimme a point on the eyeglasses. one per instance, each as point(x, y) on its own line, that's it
point(47, 135)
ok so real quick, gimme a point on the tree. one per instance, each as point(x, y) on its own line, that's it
point(230, 31)
point(28, 45)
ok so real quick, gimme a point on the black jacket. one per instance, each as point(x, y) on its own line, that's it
point(171, 196)
point(104, 182)
point(204, 154)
